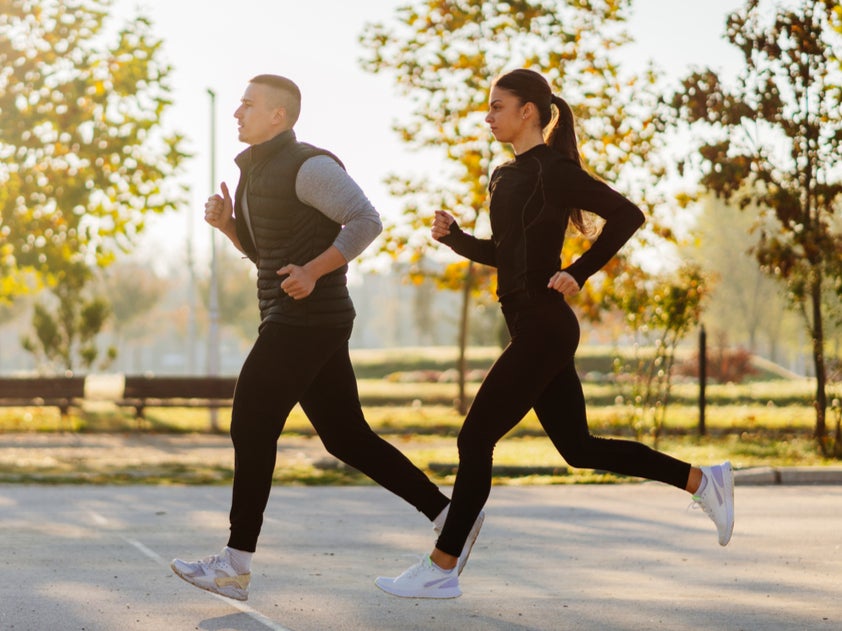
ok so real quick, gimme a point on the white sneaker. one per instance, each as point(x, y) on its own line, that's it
point(214, 574)
point(423, 580)
point(438, 524)
point(717, 499)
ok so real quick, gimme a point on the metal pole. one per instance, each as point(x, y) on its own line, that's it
point(213, 298)
point(703, 367)
point(191, 299)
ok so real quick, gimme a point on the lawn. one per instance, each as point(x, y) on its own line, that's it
point(765, 422)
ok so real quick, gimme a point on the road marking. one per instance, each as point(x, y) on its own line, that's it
point(99, 520)
point(146, 551)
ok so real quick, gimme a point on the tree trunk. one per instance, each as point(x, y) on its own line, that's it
point(467, 286)
point(820, 402)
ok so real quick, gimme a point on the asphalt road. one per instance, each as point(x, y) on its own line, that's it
point(612, 557)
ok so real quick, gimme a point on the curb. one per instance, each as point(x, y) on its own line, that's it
point(753, 476)
point(758, 476)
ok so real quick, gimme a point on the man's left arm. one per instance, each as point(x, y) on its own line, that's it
point(323, 184)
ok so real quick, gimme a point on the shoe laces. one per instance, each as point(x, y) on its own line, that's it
point(412, 571)
point(700, 503)
point(215, 562)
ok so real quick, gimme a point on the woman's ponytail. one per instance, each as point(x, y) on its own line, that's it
point(562, 138)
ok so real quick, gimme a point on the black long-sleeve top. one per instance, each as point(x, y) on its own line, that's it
point(531, 198)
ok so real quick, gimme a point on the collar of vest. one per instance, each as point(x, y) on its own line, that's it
point(257, 153)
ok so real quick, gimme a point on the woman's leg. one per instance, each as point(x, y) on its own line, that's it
point(541, 338)
point(562, 412)
point(332, 404)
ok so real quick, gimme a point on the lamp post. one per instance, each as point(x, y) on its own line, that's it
point(703, 375)
point(213, 293)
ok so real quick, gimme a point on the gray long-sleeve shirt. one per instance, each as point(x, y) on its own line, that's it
point(323, 184)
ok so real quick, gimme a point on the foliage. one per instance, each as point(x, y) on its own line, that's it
point(660, 312)
point(723, 365)
point(745, 304)
point(774, 148)
point(83, 159)
point(66, 337)
point(443, 54)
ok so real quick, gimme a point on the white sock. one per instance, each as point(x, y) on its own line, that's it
point(240, 560)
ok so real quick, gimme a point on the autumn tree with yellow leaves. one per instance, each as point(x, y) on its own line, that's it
point(771, 145)
point(442, 56)
point(83, 157)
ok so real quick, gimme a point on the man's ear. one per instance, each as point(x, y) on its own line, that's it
point(280, 116)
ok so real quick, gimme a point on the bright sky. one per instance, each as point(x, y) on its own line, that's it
point(220, 45)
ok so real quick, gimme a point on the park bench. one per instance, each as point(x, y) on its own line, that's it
point(60, 392)
point(141, 392)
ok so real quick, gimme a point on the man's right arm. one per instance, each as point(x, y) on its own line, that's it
point(219, 213)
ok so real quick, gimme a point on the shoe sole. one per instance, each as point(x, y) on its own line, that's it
point(387, 585)
point(470, 541)
point(206, 588)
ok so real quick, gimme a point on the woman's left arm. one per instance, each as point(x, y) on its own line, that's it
point(622, 219)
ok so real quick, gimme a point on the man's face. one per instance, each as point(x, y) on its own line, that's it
point(260, 116)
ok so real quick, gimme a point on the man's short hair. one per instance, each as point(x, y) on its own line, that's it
point(292, 95)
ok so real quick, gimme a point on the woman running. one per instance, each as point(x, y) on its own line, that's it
point(533, 198)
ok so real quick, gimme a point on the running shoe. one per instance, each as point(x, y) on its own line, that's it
point(214, 574)
point(717, 499)
point(423, 580)
point(438, 524)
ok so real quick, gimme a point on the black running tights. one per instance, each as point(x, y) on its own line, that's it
point(310, 366)
point(536, 370)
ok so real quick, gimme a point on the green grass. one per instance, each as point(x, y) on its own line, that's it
point(748, 435)
point(760, 423)
point(380, 363)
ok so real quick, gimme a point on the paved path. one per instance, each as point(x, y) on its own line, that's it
point(619, 557)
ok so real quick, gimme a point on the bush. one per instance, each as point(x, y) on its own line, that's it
point(723, 365)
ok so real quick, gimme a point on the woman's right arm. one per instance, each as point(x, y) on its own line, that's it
point(446, 230)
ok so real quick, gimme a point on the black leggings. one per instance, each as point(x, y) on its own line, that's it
point(536, 370)
point(310, 366)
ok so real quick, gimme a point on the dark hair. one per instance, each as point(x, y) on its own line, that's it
point(288, 87)
point(531, 87)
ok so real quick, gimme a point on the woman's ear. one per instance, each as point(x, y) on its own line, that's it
point(527, 110)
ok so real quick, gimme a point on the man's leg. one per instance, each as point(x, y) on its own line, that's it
point(332, 404)
point(280, 367)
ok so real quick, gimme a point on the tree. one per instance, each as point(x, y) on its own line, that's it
point(134, 291)
point(660, 311)
point(442, 55)
point(772, 146)
point(745, 303)
point(83, 158)
point(65, 334)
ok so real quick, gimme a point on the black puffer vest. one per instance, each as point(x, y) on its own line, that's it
point(286, 230)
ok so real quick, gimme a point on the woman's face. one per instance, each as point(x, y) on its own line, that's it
point(506, 117)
